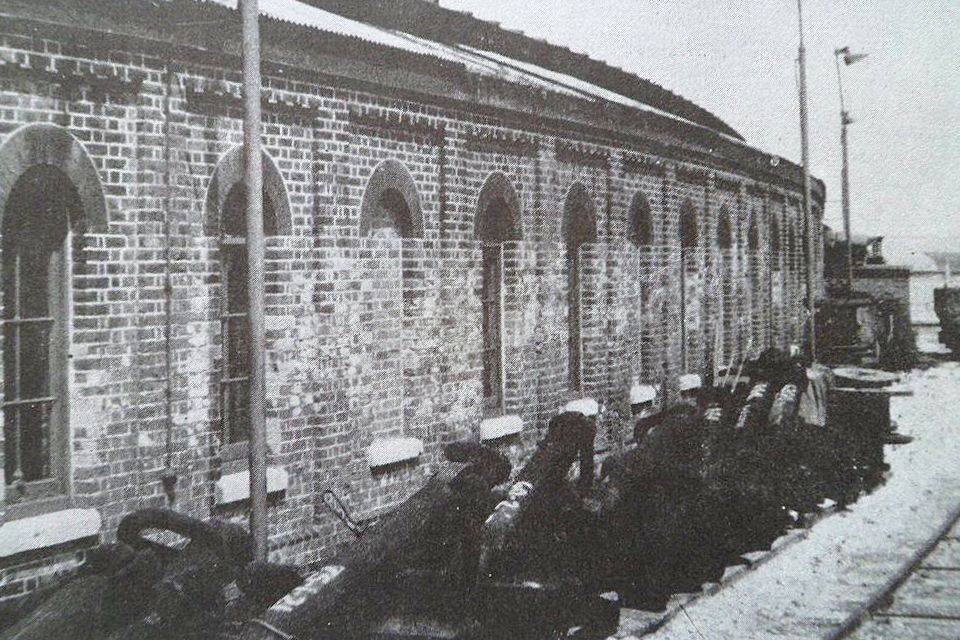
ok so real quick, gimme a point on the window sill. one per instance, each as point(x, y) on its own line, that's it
point(48, 530)
point(501, 426)
point(640, 393)
point(690, 382)
point(387, 451)
point(235, 487)
point(587, 406)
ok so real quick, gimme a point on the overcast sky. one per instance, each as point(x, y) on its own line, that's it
point(736, 58)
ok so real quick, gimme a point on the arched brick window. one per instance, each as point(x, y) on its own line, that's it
point(775, 241)
point(579, 228)
point(640, 229)
point(754, 268)
point(50, 195)
point(724, 230)
point(391, 203)
point(236, 354)
point(497, 221)
point(793, 257)
point(689, 231)
point(228, 174)
point(689, 235)
point(753, 235)
point(725, 243)
point(227, 215)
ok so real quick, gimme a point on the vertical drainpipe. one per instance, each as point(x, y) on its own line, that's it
point(249, 16)
point(169, 478)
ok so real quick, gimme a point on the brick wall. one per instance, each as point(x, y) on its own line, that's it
point(366, 337)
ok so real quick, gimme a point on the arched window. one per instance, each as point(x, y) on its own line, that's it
point(792, 255)
point(390, 216)
point(497, 221)
point(724, 231)
point(640, 229)
point(775, 241)
point(50, 195)
point(391, 204)
point(227, 218)
point(579, 228)
point(236, 354)
point(36, 274)
point(689, 233)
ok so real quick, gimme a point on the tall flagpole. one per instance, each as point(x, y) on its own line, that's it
point(249, 14)
point(807, 209)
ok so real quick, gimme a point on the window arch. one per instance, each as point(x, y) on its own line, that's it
point(498, 211)
point(227, 214)
point(391, 203)
point(579, 227)
point(228, 174)
point(50, 194)
point(640, 229)
point(497, 221)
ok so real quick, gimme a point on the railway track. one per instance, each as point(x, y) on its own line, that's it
point(925, 603)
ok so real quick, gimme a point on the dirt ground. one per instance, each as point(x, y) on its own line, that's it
point(823, 578)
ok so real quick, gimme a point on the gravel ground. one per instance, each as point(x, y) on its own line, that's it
point(828, 575)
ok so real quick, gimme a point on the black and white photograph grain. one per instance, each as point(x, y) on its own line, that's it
point(479, 320)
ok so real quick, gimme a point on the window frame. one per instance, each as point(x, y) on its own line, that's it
point(232, 245)
point(575, 354)
point(493, 345)
point(53, 488)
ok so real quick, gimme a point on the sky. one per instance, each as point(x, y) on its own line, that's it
point(736, 58)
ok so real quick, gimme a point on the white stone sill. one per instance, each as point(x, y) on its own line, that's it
point(587, 406)
point(48, 530)
point(690, 382)
point(501, 426)
point(386, 451)
point(640, 393)
point(235, 487)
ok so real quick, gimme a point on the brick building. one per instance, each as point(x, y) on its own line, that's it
point(467, 229)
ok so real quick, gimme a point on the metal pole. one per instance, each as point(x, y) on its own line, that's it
point(845, 191)
point(254, 182)
point(844, 175)
point(807, 209)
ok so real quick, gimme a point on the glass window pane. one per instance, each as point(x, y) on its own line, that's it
point(34, 360)
point(35, 441)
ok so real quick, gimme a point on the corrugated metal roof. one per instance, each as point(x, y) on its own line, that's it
point(476, 60)
point(302, 14)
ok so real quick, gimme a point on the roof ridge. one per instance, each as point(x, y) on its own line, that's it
point(432, 21)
